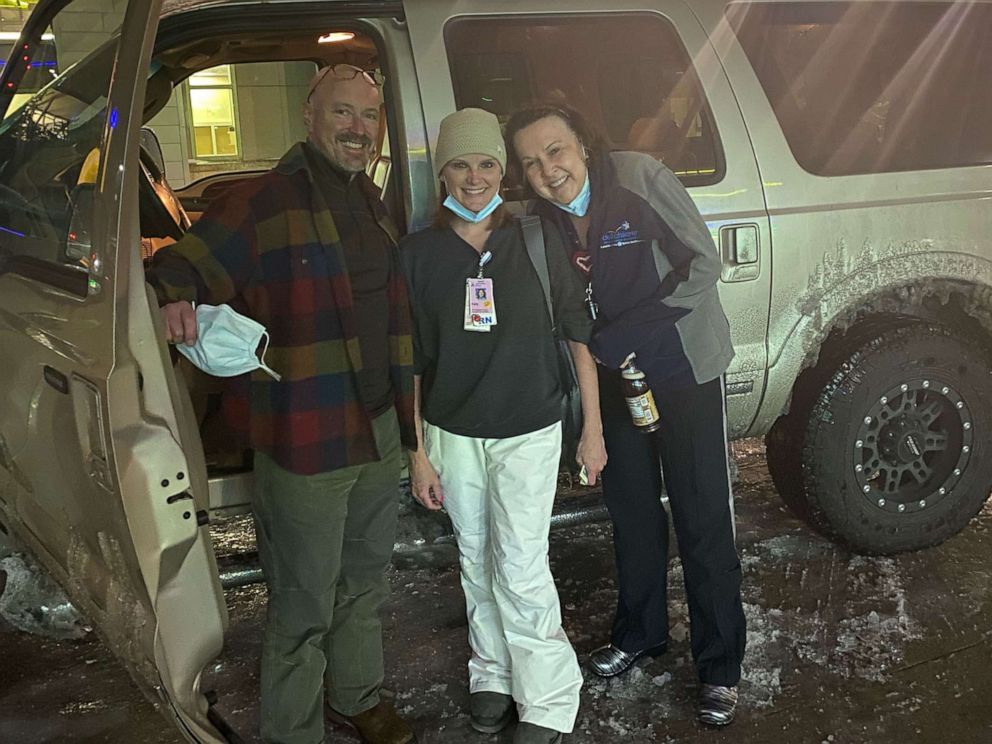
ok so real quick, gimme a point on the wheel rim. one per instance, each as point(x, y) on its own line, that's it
point(912, 446)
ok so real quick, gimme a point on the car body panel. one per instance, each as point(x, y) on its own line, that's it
point(840, 241)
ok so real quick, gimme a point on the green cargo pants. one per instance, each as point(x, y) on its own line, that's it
point(324, 542)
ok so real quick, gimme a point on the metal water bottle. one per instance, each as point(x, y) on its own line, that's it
point(640, 401)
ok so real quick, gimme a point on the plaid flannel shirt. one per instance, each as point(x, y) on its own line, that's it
point(271, 245)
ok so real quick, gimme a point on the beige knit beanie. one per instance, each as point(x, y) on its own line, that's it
point(469, 131)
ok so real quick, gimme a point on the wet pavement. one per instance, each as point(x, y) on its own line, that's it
point(841, 648)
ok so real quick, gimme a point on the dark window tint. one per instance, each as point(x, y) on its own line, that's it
point(875, 87)
point(628, 74)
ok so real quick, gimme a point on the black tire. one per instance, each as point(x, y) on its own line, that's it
point(783, 450)
point(897, 449)
point(784, 441)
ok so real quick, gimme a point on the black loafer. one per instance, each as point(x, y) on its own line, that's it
point(717, 704)
point(609, 661)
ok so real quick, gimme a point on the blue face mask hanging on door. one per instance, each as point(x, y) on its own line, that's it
point(226, 342)
point(580, 204)
point(467, 214)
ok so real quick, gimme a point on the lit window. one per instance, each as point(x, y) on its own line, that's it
point(211, 97)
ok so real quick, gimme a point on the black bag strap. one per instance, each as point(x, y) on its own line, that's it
point(530, 225)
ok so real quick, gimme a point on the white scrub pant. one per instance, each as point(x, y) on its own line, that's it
point(499, 494)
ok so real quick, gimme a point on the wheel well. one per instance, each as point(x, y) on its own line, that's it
point(6, 544)
point(965, 308)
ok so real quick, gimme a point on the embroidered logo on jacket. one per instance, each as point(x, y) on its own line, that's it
point(622, 235)
point(583, 260)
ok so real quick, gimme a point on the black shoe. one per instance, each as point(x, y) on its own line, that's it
point(531, 733)
point(491, 712)
point(609, 661)
point(717, 704)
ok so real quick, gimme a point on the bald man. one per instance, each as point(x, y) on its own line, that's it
point(308, 251)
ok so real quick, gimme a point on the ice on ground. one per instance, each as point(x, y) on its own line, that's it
point(662, 679)
point(845, 628)
point(34, 603)
point(634, 686)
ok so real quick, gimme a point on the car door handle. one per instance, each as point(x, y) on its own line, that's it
point(56, 379)
point(740, 253)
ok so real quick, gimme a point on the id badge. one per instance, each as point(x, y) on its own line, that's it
point(480, 306)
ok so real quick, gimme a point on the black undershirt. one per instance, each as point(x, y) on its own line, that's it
point(366, 254)
point(498, 384)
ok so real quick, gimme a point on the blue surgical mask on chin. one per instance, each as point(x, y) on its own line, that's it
point(580, 204)
point(467, 214)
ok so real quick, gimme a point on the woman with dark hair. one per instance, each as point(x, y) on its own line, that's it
point(651, 266)
point(487, 377)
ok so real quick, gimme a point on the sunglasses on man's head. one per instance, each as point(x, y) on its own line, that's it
point(343, 71)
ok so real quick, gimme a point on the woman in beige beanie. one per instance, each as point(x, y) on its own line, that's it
point(487, 387)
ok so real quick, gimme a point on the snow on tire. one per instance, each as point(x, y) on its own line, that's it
point(897, 453)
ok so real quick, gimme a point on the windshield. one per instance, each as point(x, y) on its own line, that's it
point(44, 145)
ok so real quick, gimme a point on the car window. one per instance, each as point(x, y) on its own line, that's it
point(50, 135)
point(629, 74)
point(232, 118)
point(220, 126)
point(871, 87)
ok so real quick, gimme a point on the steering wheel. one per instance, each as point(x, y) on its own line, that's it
point(162, 214)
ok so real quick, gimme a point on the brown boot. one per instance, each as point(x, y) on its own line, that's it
point(380, 724)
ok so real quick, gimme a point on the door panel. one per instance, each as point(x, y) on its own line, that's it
point(101, 475)
point(649, 80)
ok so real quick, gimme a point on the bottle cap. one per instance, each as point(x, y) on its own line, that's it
point(631, 371)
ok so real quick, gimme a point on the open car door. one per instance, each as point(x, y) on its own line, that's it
point(101, 470)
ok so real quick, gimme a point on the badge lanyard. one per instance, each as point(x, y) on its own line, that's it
point(591, 305)
point(582, 259)
point(480, 305)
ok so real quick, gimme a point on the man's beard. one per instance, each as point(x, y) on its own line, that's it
point(364, 154)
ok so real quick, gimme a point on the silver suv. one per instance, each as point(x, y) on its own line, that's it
point(841, 153)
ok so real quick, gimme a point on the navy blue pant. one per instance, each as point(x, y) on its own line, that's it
point(692, 448)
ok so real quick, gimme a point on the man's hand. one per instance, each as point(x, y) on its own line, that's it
point(424, 482)
point(180, 322)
